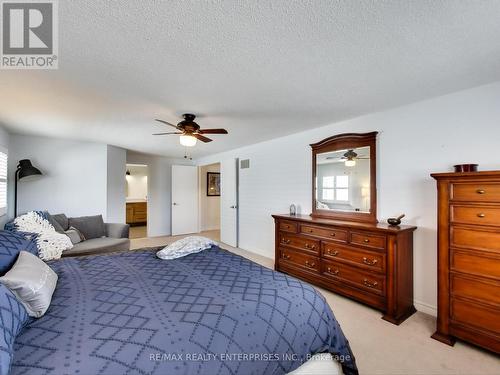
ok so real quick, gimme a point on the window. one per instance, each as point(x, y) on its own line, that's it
point(3, 182)
point(335, 188)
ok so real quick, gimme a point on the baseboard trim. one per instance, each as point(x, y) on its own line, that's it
point(425, 308)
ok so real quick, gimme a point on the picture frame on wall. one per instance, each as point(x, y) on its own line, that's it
point(213, 184)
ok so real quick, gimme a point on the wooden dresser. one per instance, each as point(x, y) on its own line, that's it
point(137, 213)
point(370, 263)
point(469, 258)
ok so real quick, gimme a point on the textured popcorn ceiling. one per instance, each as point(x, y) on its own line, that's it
point(260, 69)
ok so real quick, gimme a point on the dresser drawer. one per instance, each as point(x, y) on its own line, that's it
point(474, 314)
point(298, 242)
point(475, 192)
point(365, 280)
point(484, 290)
point(330, 233)
point(358, 257)
point(288, 226)
point(140, 217)
point(368, 240)
point(472, 262)
point(300, 259)
point(482, 215)
point(475, 239)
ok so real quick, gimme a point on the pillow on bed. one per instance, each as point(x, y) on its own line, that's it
point(33, 282)
point(10, 245)
point(185, 246)
point(13, 317)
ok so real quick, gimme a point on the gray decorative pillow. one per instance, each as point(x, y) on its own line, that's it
point(32, 282)
point(62, 219)
point(89, 226)
point(55, 223)
point(74, 235)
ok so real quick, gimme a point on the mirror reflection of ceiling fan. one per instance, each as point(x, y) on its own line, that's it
point(350, 158)
point(190, 131)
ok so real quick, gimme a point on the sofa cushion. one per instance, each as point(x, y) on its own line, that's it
point(13, 317)
point(90, 226)
point(62, 219)
point(33, 282)
point(98, 246)
point(11, 244)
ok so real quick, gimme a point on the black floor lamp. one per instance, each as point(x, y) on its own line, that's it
point(24, 169)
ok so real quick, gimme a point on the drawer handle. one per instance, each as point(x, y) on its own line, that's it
point(287, 226)
point(480, 191)
point(335, 253)
point(312, 247)
point(310, 264)
point(370, 262)
point(481, 215)
point(329, 270)
point(366, 240)
point(284, 240)
point(310, 230)
point(333, 234)
point(286, 256)
point(370, 284)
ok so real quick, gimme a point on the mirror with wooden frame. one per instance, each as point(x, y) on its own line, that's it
point(344, 177)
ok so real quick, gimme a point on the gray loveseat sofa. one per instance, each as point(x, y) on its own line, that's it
point(97, 237)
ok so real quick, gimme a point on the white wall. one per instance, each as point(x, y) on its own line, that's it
point(74, 176)
point(414, 141)
point(209, 205)
point(159, 190)
point(117, 157)
point(137, 182)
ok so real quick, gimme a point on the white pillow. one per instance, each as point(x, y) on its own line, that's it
point(185, 246)
point(32, 282)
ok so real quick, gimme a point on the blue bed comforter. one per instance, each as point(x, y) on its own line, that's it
point(208, 313)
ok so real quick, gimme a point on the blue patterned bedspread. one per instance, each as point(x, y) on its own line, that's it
point(208, 313)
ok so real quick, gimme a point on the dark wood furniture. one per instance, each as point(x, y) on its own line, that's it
point(347, 141)
point(370, 263)
point(469, 258)
point(137, 213)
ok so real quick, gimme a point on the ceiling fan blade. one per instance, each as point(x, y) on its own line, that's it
point(212, 131)
point(167, 123)
point(167, 133)
point(202, 138)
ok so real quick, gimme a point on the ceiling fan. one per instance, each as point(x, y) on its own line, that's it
point(350, 158)
point(190, 131)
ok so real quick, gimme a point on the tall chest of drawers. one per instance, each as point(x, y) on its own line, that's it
point(469, 258)
point(370, 263)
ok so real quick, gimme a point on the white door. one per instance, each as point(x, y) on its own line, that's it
point(229, 202)
point(184, 199)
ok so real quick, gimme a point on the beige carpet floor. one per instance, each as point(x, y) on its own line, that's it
point(381, 347)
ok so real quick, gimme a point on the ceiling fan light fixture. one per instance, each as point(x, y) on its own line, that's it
point(187, 140)
point(350, 163)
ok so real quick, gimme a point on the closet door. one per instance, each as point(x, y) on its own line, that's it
point(229, 202)
point(184, 199)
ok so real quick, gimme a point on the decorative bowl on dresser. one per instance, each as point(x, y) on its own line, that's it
point(469, 258)
point(340, 246)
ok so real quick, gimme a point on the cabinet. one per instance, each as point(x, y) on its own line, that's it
point(469, 258)
point(370, 263)
point(137, 213)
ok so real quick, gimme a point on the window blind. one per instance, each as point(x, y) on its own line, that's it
point(3, 182)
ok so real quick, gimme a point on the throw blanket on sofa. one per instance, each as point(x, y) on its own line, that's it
point(212, 312)
point(50, 243)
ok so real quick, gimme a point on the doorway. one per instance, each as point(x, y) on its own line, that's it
point(137, 200)
point(210, 198)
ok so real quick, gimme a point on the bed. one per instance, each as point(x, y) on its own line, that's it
point(213, 312)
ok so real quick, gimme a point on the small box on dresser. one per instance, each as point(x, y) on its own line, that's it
point(469, 258)
point(370, 263)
